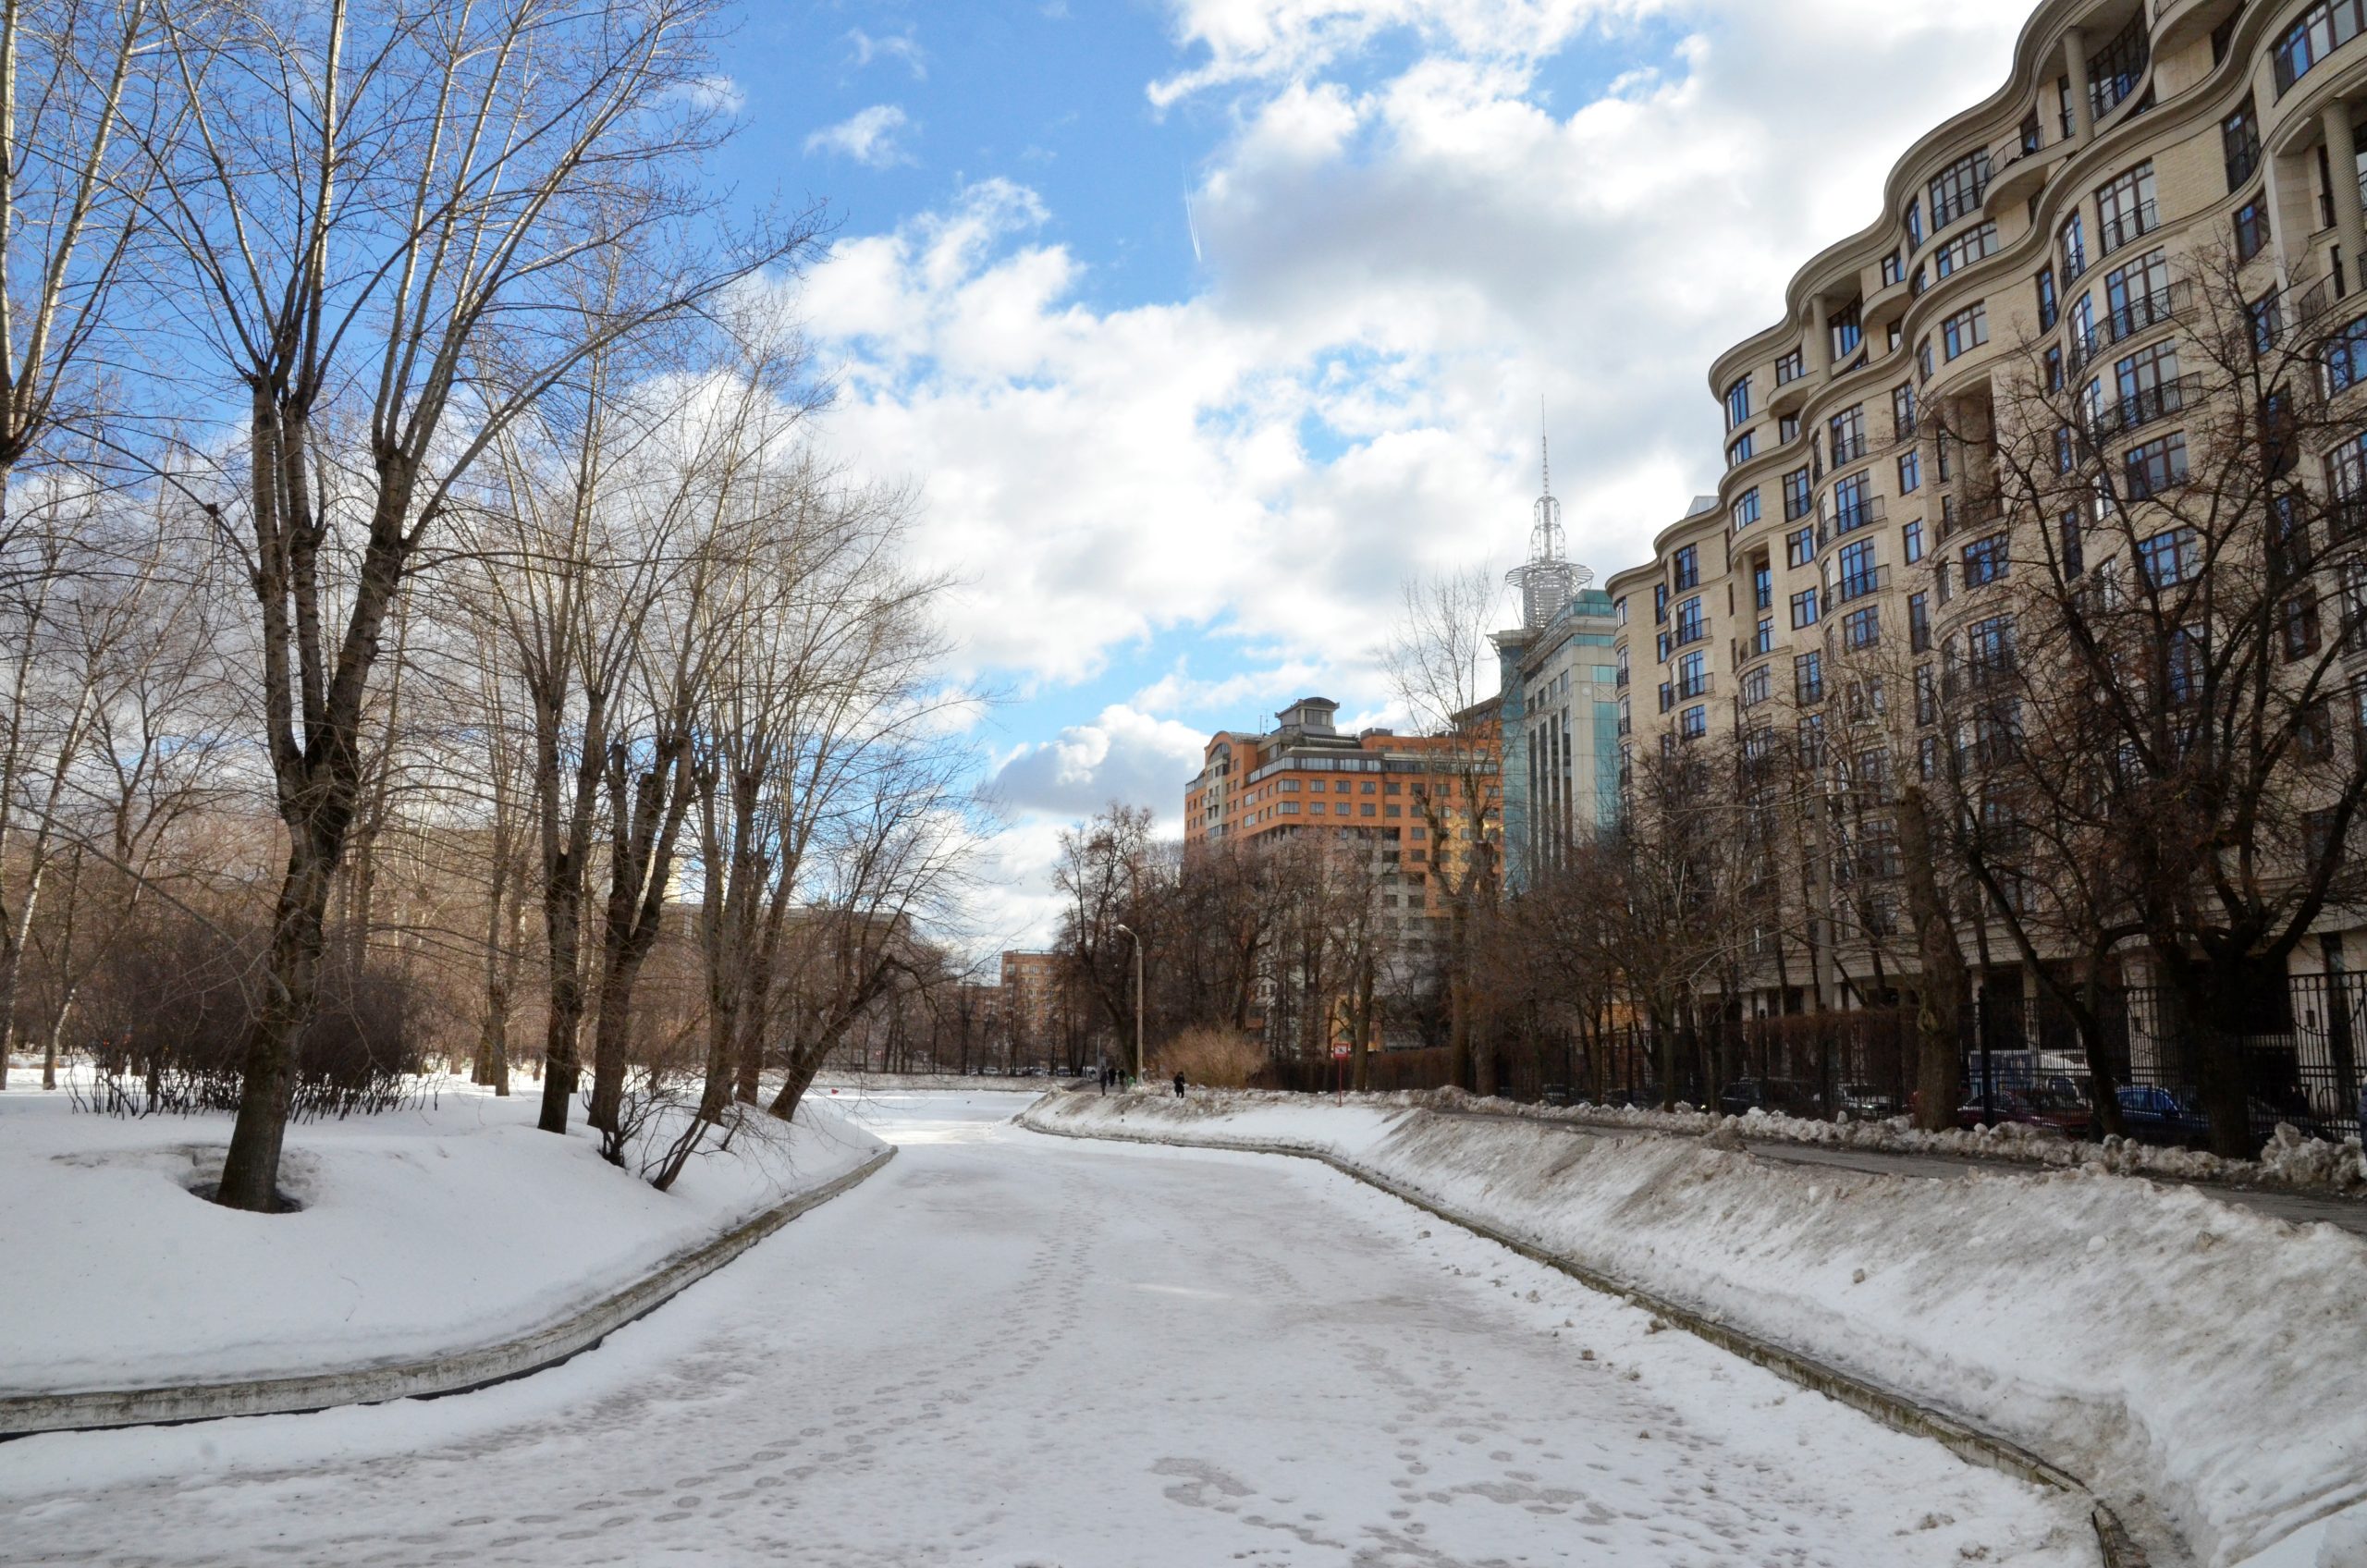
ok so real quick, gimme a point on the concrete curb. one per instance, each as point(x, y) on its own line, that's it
point(23, 1415)
point(1893, 1410)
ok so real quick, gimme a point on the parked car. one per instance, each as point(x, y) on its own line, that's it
point(2157, 1115)
point(1555, 1094)
point(1869, 1102)
point(1777, 1097)
point(2161, 1115)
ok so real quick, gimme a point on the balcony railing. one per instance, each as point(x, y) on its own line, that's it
point(1986, 673)
point(1694, 689)
point(2130, 225)
point(1857, 584)
point(2139, 315)
point(1847, 449)
point(1688, 632)
point(1806, 692)
point(2140, 407)
point(1860, 513)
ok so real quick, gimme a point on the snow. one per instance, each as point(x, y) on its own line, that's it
point(2197, 1363)
point(1008, 1349)
point(446, 1226)
point(958, 1082)
point(2289, 1160)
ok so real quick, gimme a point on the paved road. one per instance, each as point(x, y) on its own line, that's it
point(1008, 1349)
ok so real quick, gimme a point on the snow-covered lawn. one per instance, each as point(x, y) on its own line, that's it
point(442, 1227)
point(1006, 1351)
point(2203, 1366)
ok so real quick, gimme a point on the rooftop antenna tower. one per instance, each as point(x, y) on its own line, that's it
point(1548, 580)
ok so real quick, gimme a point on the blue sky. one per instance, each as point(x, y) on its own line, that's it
point(1182, 468)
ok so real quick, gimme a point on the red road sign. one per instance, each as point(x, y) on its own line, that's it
point(1339, 1053)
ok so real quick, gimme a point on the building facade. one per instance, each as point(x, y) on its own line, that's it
point(2068, 230)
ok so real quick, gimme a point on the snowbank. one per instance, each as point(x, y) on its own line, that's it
point(2290, 1160)
point(901, 1083)
point(424, 1230)
point(2199, 1364)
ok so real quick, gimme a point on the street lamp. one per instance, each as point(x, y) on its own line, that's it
point(1137, 936)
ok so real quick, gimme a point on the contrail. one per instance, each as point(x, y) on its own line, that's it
point(1190, 226)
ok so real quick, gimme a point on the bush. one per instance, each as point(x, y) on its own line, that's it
point(1215, 1058)
point(167, 1019)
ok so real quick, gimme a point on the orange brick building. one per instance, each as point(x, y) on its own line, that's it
point(1304, 776)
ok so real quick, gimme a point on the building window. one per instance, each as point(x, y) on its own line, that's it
point(2156, 466)
point(1694, 722)
point(1923, 360)
point(1910, 473)
point(1956, 189)
point(1799, 547)
point(1893, 269)
point(2239, 140)
point(2049, 308)
point(2072, 545)
point(1745, 508)
point(1919, 622)
point(1984, 560)
point(1738, 403)
point(1911, 541)
point(1787, 429)
point(1741, 449)
point(1902, 411)
point(1914, 226)
point(1762, 587)
point(1800, 495)
point(1847, 330)
point(1790, 368)
point(2346, 356)
point(1757, 687)
point(2126, 209)
point(1687, 564)
point(2169, 557)
point(1852, 510)
point(1691, 624)
point(1807, 678)
point(1803, 608)
point(1968, 329)
point(1848, 434)
point(2071, 244)
point(2114, 69)
point(1862, 628)
point(2251, 228)
point(2316, 33)
point(2300, 624)
point(2054, 362)
point(1965, 250)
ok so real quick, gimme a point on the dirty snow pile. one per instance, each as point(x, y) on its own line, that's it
point(2198, 1363)
point(2290, 1160)
point(441, 1227)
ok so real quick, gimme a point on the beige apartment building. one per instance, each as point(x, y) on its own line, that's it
point(2067, 223)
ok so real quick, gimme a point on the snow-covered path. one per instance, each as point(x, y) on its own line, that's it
point(1014, 1349)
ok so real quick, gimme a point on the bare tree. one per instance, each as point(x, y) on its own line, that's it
point(1436, 659)
point(386, 217)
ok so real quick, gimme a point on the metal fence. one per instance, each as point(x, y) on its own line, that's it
point(2300, 1056)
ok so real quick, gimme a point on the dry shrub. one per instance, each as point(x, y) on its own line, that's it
point(1215, 1058)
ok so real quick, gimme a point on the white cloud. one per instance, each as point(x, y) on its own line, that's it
point(1400, 261)
point(868, 136)
point(901, 47)
point(1123, 755)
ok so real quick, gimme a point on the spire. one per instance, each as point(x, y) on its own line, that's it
point(1544, 448)
point(1549, 577)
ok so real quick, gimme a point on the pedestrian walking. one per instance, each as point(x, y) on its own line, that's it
point(1179, 1086)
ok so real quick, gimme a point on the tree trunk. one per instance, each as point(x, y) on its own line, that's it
point(251, 1173)
point(1940, 999)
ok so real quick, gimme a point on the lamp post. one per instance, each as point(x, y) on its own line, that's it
point(1137, 941)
